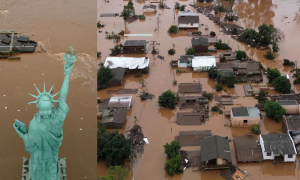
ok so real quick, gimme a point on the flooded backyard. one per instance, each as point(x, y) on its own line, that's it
point(159, 124)
point(42, 22)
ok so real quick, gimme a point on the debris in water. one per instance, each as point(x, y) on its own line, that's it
point(145, 96)
point(146, 140)
point(5, 108)
point(80, 129)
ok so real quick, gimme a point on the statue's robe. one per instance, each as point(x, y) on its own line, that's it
point(43, 141)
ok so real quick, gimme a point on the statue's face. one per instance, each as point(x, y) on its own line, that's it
point(45, 106)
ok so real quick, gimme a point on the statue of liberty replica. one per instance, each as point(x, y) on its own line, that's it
point(45, 133)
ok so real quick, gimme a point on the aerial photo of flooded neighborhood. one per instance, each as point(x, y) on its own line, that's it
point(198, 89)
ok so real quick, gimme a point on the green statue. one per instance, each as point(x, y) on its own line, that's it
point(45, 129)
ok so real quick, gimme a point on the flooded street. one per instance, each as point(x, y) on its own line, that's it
point(55, 26)
point(159, 124)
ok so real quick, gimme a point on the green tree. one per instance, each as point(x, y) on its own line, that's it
point(212, 33)
point(100, 128)
point(213, 73)
point(172, 149)
point(182, 8)
point(297, 80)
point(274, 110)
point(222, 46)
point(230, 81)
point(241, 55)
point(266, 33)
point(173, 29)
point(234, 31)
point(173, 165)
point(177, 5)
point(167, 100)
point(282, 84)
point(103, 77)
point(269, 55)
point(286, 62)
point(275, 47)
point(262, 96)
point(255, 129)
point(218, 87)
point(113, 147)
point(272, 74)
point(116, 50)
point(115, 173)
point(190, 51)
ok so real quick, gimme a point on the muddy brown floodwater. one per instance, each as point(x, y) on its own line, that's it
point(156, 122)
point(55, 25)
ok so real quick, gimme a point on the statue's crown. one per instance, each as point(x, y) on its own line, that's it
point(44, 93)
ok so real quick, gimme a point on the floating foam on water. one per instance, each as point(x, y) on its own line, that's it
point(18, 110)
point(5, 108)
point(4, 95)
point(80, 129)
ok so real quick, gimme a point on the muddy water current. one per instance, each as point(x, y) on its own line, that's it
point(55, 26)
point(158, 124)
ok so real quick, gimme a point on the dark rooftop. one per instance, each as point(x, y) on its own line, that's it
point(286, 97)
point(189, 88)
point(186, 58)
point(287, 102)
point(188, 118)
point(278, 143)
point(20, 44)
point(116, 115)
point(202, 40)
point(117, 74)
point(135, 43)
point(292, 122)
point(247, 149)
point(239, 111)
point(215, 147)
point(188, 19)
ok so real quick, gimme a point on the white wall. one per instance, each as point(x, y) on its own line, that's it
point(263, 150)
point(202, 68)
point(182, 64)
point(149, 10)
point(286, 159)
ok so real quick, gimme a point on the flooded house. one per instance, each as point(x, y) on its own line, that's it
point(230, 55)
point(215, 153)
point(242, 71)
point(285, 97)
point(185, 61)
point(192, 138)
point(120, 102)
point(278, 147)
point(188, 20)
point(200, 45)
point(247, 149)
point(190, 118)
point(130, 64)
point(10, 44)
point(291, 124)
point(186, 101)
point(290, 106)
point(113, 118)
point(117, 77)
point(244, 116)
point(135, 47)
point(149, 8)
point(189, 88)
point(203, 63)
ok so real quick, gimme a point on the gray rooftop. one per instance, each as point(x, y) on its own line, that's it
point(287, 102)
point(152, 6)
point(215, 147)
point(186, 58)
point(116, 115)
point(278, 143)
point(239, 111)
point(135, 43)
point(202, 40)
point(292, 122)
point(117, 74)
point(245, 111)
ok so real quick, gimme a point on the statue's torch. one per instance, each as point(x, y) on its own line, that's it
point(70, 57)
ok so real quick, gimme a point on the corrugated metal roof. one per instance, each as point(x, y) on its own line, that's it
point(121, 101)
point(202, 40)
point(135, 43)
point(127, 62)
point(203, 61)
point(187, 13)
point(278, 143)
point(287, 102)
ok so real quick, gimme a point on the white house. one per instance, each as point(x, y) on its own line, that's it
point(278, 147)
point(203, 63)
point(149, 8)
point(120, 102)
point(188, 19)
point(185, 61)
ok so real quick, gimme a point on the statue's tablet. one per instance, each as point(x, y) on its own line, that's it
point(21, 126)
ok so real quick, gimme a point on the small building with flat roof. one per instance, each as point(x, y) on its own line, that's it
point(120, 102)
point(113, 118)
point(290, 106)
point(188, 20)
point(135, 47)
point(117, 77)
point(185, 61)
point(200, 44)
point(149, 8)
point(188, 88)
point(244, 116)
point(215, 153)
point(278, 147)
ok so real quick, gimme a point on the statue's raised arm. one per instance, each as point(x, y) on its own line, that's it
point(70, 58)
